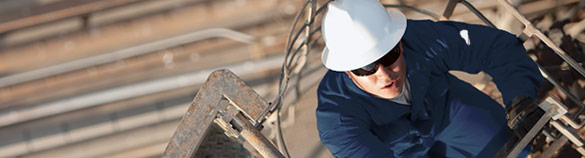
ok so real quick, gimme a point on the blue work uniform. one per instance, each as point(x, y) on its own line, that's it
point(447, 117)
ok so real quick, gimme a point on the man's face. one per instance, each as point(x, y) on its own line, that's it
point(387, 81)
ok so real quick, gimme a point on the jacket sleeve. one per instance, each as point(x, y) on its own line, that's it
point(347, 135)
point(475, 48)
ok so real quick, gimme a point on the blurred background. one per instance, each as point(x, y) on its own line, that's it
point(112, 78)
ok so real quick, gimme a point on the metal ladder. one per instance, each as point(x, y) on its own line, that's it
point(225, 100)
point(554, 109)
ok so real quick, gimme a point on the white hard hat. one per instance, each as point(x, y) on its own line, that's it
point(359, 32)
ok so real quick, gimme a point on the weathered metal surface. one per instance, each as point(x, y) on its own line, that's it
point(256, 139)
point(238, 93)
point(207, 104)
point(195, 122)
point(225, 116)
point(217, 145)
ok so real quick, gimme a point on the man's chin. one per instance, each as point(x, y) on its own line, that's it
point(392, 94)
point(389, 95)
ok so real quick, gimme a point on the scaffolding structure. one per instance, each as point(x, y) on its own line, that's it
point(243, 117)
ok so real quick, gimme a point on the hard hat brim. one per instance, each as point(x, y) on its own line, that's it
point(344, 61)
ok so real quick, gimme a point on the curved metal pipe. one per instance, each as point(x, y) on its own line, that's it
point(479, 14)
point(130, 91)
point(125, 53)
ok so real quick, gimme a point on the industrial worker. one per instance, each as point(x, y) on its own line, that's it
point(388, 92)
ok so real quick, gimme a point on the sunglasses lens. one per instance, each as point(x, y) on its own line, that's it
point(386, 60)
point(390, 57)
point(366, 70)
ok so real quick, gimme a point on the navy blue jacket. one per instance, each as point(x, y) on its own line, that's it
point(352, 123)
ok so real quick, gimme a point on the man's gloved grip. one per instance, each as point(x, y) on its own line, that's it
point(523, 113)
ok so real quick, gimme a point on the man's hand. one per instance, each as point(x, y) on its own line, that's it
point(523, 113)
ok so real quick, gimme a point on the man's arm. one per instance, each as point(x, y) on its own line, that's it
point(349, 136)
point(475, 48)
point(502, 55)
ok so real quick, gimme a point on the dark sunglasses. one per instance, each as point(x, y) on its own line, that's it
point(386, 60)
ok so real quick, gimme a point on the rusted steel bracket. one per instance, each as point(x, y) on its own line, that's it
point(227, 100)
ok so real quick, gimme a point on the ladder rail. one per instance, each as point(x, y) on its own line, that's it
point(531, 30)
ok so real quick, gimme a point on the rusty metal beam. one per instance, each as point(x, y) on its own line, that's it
point(220, 85)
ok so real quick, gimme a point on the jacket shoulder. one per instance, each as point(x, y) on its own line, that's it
point(335, 103)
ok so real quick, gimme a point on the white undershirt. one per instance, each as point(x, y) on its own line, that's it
point(404, 96)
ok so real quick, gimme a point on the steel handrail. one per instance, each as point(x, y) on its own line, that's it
point(532, 30)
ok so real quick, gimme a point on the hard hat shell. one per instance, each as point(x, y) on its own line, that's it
point(359, 32)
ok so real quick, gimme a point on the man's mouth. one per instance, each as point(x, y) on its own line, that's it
point(389, 85)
